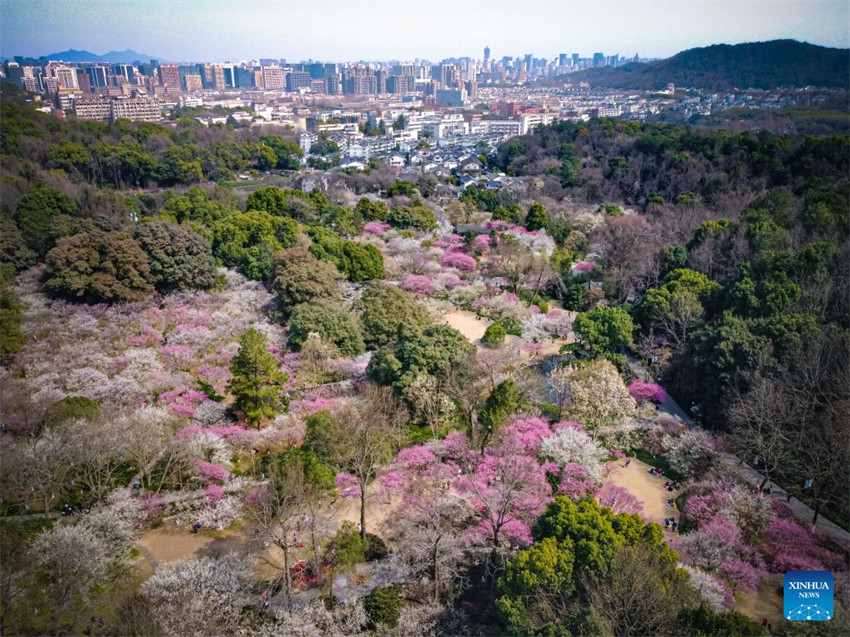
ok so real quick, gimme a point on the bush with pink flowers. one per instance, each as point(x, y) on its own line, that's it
point(418, 284)
point(643, 392)
point(459, 261)
point(209, 472)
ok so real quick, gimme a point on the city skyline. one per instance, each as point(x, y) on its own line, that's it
point(337, 31)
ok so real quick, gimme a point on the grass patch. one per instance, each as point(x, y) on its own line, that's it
point(659, 463)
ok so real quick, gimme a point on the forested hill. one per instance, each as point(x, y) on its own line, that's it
point(764, 65)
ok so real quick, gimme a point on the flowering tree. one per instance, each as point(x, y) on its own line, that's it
point(418, 284)
point(790, 547)
point(570, 445)
point(598, 397)
point(199, 597)
point(644, 392)
point(575, 483)
point(618, 499)
point(506, 489)
point(691, 454)
point(431, 513)
point(711, 591)
point(459, 260)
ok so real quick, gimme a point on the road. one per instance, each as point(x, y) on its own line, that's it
point(748, 473)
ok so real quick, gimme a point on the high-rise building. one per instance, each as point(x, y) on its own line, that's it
point(193, 82)
point(529, 61)
point(169, 76)
point(562, 59)
point(66, 77)
point(576, 59)
point(487, 57)
point(274, 78)
point(244, 77)
point(297, 79)
point(598, 59)
point(381, 80)
point(333, 84)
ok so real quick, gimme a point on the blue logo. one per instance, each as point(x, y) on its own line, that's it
point(808, 596)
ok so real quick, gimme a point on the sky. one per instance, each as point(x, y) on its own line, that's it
point(342, 30)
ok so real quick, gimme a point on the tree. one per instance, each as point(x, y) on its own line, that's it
point(500, 405)
point(431, 516)
point(299, 277)
point(249, 240)
point(179, 258)
point(417, 216)
point(329, 320)
point(571, 445)
point(205, 596)
point(383, 605)
point(257, 381)
point(13, 248)
point(359, 442)
point(12, 337)
point(367, 210)
point(431, 350)
point(361, 262)
point(536, 218)
point(494, 335)
point(98, 267)
point(288, 153)
point(599, 399)
point(559, 381)
point(297, 483)
point(606, 330)
point(37, 213)
point(762, 420)
point(383, 310)
point(692, 454)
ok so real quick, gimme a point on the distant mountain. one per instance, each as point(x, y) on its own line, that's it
point(113, 57)
point(764, 65)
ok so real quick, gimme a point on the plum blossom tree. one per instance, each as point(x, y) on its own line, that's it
point(691, 454)
point(643, 392)
point(506, 488)
point(598, 398)
point(618, 499)
point(570, 445)
point(199, 597)
point(708, 588)
point(418, 284)
point(431, 513)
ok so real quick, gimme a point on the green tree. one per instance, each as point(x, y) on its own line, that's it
point(98, 267)
point(12, 337)
point(299, 277)
point(248, 240)
point(383, 605)
point(193, 206)
point(417, 216)
point(384, 309)
point(180, 259)
point(288, 153)
point(604, 329)
point(536, 219)
point(71, 408)
point(331, 321)
point(494, 335)
point(36, 216)
point(367, 210)
point(13, 248)
point(361, 262)
point(500, 405)
point(257, 381)
point(430, 351)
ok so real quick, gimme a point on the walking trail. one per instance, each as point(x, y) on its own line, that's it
point(751, 475)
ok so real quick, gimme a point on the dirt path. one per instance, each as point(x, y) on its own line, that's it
point(765, 602)
point(467, 323)
point(647, 488)
point(168, 543)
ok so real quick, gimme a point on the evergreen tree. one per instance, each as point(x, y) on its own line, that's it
point(536, 218)
point(257, 380)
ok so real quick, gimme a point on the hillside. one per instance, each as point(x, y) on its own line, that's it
point(764, 65)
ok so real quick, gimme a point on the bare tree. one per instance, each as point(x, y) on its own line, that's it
point(762, 421)
point(97, 448)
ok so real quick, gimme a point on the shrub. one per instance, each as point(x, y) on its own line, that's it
point(494, 335)
point(462, 262)
point(643, 392)
point(383, 606)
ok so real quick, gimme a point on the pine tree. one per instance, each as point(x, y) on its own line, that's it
point(257, 380)
point(536, 219)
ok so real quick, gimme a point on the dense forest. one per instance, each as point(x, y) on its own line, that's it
point(762, 65)
point(267, 401)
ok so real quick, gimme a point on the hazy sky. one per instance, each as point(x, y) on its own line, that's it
point(218, 30)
